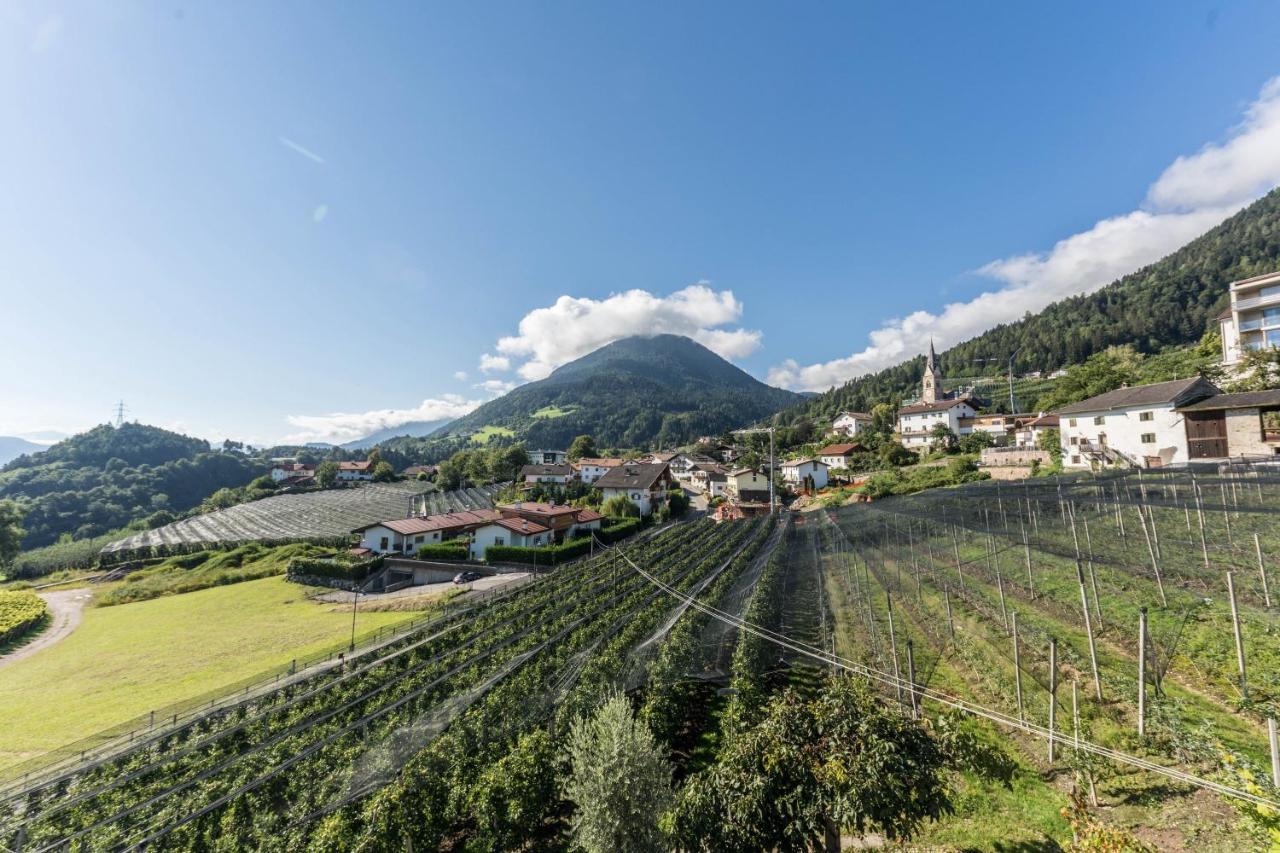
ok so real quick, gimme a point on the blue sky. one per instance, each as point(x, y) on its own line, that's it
point(245, 218)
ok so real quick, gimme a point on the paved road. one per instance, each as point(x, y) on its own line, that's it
point(64, 607)
point(488, 582)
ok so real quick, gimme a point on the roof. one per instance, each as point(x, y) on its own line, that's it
point(633, 475)
point(796, 463)
point(1046, 421)
point(293, 466)
point(736, 471)
point(444, 521)
point(861, 416)
point(1245, 400)
point(1176, 392)
point(1224, 314)
point(663, 456)
point(599, 461)
point(940, 406)
point(520, 525)
point(546, 471)
point(354, 466)
point(839, 449)
point(580, 514)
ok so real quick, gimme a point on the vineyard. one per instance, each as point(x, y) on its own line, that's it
point(1118, 616)
point(1111, 633)
point(328, 514)
point(458, 691)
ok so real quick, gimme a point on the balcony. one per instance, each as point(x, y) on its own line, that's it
point(1265, 297)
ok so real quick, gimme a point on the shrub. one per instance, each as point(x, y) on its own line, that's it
point(341, 569)
point(619, 507)
point(20, 611)
point(549, 555)
point(443, 552)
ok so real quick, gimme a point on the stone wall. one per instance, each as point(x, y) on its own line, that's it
point(1244, 433)
point(1002, 457)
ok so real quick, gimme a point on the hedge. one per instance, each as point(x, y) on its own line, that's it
point(350, 570)
point(443, 552)
point(620, 530)
point(20, 611)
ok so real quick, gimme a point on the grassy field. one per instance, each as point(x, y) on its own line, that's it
point(549, 412)
point(124, 661)
point(482, 436)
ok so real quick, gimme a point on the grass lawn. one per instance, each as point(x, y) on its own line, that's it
point(124, 661)
point(482, 436)
point(548, 412)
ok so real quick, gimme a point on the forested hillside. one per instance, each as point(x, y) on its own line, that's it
point(1169, 303)
point(638, 392)
point(102, 479)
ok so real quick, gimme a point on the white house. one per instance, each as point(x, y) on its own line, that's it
point(916, 422)
point(406, 535)
point(590, 469)
point(350, 472)
point(746, 484)
point(553, 475)
point(1028, 431)
point(1132, 426)
point(548, 457)
point(644, 484)
point(563, 521)
point(519, 532)
point(282, 471)
point(839, 455)
point(799, 472)
point(851, 423)
point(1252, 320)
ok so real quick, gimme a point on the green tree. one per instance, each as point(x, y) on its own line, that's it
point(942, 439)
point(677, 503)
point(1051, 440)
point(620, 781)
point(811, 769)
point(327, 474)
point(975, 442)
point(619, 507)
point(11, 532)
point(583, 445)
point(383, 472)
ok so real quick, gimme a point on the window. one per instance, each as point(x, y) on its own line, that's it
point(1075, 439)
point(1148, 438)
point(1146, 416)
point(385, 545)
point(418, 540)
point(499, 541)
point(1100, 420)
point(1075, 460)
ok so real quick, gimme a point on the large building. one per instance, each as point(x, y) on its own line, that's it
point(917, 421)
point(1252, 320)
point(644, 484)
point(1141, 425)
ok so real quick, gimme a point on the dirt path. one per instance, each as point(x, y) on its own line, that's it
point(64, 610)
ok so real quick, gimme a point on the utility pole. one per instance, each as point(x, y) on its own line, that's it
point(120, 410)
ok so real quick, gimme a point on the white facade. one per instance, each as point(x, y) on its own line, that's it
point(794, 473)
point(740, 482)
point(589, 472)
point(1252, 322)
point(497, 534)
point(347, 473)
point(851, 423)
point(642, 498)
point(384, 540)
point(914, 427)
point(1137, 433)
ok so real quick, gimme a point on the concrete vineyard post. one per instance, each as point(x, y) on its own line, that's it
point(911, 674)
point(1053, 694)
point(1017, 668)
point(1275, 751)
point(1262, 570)
point(1235, 624)
point(1088, 627)
point(893, 649)
point(1142, 672)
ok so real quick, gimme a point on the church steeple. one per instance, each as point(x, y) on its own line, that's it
point(931, 390)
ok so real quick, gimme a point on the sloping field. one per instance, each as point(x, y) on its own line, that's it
point(312, 515)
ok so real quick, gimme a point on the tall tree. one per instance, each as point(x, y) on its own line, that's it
point(11, 531)
point(583, 445)
point(620, 781)
point(327, 474)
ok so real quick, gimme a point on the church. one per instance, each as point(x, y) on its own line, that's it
point(917, 421)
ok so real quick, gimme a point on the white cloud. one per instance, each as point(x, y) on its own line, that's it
point(573, 326)
point(1191, 196)
point(305, 152)
point(320, 213)
point(341, 427)
point(460, 375)
point(496, 386)
point(494, 363)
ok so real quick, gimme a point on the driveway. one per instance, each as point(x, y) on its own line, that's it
point(488, 582)
point(64, 610)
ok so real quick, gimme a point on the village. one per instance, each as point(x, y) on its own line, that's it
point(560, 499)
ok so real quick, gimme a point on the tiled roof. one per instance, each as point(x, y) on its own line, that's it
point(839, 449)
point(1244, 400)
point(546, 471)
point(354, 466)
point(795, 463)
point(1179, 391)
point(633, 475)
point(521, 525)
point(861, 416)
point(444, 521)
point(940, 406)
point(599, 462)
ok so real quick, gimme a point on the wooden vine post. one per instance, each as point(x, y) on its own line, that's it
point(1262, 570)
point(1235, 624)
point(1017, 668)
point(1053, 694)
point(1142, 672)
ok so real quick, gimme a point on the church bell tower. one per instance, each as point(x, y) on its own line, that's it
point(931, 392)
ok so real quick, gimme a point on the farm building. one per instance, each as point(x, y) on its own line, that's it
point(1141, 426)
point(1234, 425)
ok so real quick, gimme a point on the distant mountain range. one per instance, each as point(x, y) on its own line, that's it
point(11, 447)
point(413, 429)
point(658, 391)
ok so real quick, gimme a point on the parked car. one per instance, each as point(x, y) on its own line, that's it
point(467, 577)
